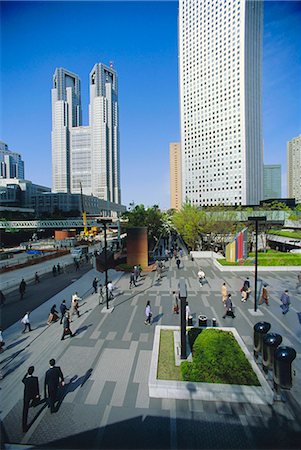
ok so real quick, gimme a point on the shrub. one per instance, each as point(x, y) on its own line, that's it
point(218, 358)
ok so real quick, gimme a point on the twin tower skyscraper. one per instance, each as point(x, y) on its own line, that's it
point(86, 157)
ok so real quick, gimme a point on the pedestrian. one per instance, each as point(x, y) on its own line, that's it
point(178, 262)
point(224, 292)
point(74, 306)
point(175, 308)
point(229, 308)
point(246, 285)
point(110, 290)
point(58, 269)
point(2, 298)
point(36, 278)
point(101, 296)
point(132, 279)
point(94, 285)
point(26, 322)
point(66, 327)
point(136, 273)
point(158, 270)
point(298, 281)
point(264, 296)
point(31, 394)
point(244, 294)
point(53, 378)
point(54, 270)
point(187, 313)
point(148, 313)
point(2, 343)
point(63, 309)
point(285, 300)
point(53, 315)
point(22, 288)
point(181, 253)
point(201, 276)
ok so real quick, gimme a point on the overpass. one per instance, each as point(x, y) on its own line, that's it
point(42, 224)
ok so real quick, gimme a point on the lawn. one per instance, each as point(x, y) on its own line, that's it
point(289, 234)
point(270, 258)
point(217, 358)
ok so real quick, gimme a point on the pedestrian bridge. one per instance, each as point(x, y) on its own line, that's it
point(42, 224)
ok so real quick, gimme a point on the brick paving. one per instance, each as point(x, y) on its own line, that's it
point(105, 402)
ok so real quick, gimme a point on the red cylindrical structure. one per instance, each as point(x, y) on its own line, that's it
point(137, 246)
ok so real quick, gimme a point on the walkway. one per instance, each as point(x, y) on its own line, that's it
point(105, 402)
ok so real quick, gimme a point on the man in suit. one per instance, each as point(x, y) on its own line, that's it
point(53, 377)
point(31, 394)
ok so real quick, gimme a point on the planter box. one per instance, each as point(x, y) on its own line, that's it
point(208, 391)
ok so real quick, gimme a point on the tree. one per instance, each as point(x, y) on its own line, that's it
point(190, 222)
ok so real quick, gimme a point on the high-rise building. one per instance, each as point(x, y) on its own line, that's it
point(271, 181)
point(86, 158)
point(175, 175)
point(66, 114)
point(294, 168)
point(11, 164)
point(220, 49)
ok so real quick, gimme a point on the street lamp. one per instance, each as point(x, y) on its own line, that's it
point(183, 296)
point(104, 224)
point(256, 219)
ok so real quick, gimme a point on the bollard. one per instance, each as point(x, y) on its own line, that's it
point(283, 359)
point(270, 342)
point(190, 321)
point(260, 329)
point(213, 321)
point(202, 320)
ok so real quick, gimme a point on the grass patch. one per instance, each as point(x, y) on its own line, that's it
point(289, 234)
point(218, 358)
point(167, 370)
point(270, 258)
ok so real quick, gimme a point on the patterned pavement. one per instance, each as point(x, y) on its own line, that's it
point(105, 402)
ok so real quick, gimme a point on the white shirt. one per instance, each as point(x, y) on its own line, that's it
point(201, 274)
point(25, 319)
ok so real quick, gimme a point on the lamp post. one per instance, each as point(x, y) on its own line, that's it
point(183, 297)
point(104, 223)
point(256, 220)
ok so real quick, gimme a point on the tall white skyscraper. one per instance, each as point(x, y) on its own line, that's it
point(86, 157)
point(66, 114)
point(220, 47)
point(294, 168)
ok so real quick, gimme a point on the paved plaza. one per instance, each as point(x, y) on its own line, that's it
point(105, 401)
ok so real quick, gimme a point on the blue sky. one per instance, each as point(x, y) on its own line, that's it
point(141, 40)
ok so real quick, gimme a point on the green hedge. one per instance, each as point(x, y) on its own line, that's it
point(218, 358)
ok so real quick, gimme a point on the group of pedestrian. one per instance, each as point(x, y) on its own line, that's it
point(134, 275)
point(54, 378)
point(56, 270)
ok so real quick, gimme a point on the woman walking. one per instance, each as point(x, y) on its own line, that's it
point(148, 313)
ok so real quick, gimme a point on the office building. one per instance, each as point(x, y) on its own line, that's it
point(66, 114)
point(86, 158)
point(220, 51)
point(175, 175)
point(271, 181)
point(11, 164)
point(294, 168)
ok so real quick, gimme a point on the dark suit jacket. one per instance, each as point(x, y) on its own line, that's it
point(53, 377)
point(31, 387)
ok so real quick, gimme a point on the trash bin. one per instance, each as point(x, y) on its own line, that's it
point(283, 358)
point(270, 342)
point(190, 321)
point(202, 321)
point(213, 321)
point(260, 329)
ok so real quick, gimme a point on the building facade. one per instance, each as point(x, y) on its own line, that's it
point(175, 175)
point(294, 168)
point(271, 181)
point(220, 52)
point(66, 114)
point(86, 157)
point(11, 164)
